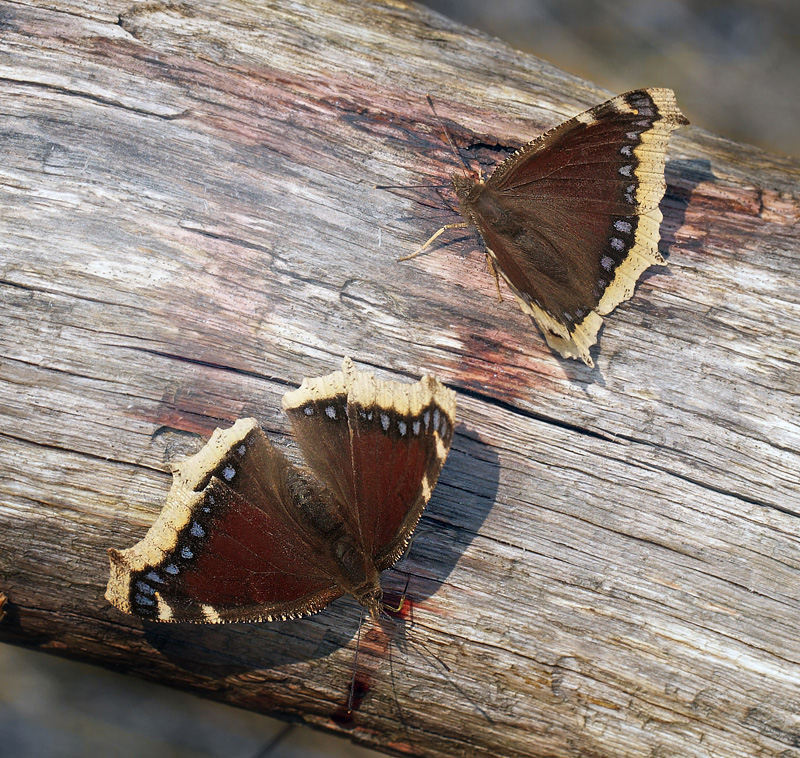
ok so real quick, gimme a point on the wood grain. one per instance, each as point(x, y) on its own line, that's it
point(610, 565)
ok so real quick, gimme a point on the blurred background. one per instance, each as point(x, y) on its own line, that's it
point(734, 64)
point(54, 708)
point(735, 67)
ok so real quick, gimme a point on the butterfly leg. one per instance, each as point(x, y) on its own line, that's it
point(351, 696)
point(391, 609)
point(432, 240)
point(490, 264)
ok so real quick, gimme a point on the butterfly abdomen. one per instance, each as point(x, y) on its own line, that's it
point(314, 504)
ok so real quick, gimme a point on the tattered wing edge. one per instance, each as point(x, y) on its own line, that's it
point(181, 502)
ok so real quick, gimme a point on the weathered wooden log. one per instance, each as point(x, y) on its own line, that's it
point(610, 565)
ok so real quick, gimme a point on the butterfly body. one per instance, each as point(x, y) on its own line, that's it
point(324, 520)
point(572, 219)
point(245, 535)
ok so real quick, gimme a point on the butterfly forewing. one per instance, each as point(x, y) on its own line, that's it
point(318, 414)
point(401, 436)
point(229, 544)
point(587, 157)
point(374, 442)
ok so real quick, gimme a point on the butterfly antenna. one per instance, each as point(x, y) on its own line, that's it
point(459, 157)
point(351, 696)
point(451, 681)
point(467, 171)
point(411, 186)
point(447, 202)
point(400, 716)
point(434, 656)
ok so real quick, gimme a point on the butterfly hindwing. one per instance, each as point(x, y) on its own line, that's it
point(229, 544)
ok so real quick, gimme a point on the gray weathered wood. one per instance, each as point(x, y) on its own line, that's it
point(610, 565)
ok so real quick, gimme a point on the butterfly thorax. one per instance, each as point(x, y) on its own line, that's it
point(482, 205)
point(318, 509)
point(359, 575)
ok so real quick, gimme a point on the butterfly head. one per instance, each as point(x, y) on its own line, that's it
point(467, 188)
point(373, 602)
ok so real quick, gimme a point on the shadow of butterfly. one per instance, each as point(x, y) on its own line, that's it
point(246, 536)
point(571, 220)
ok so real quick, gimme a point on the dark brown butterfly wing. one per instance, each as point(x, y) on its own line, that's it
point(230, 543)
point(318, 413)
point(384, 463)
point(572, 219)
point(401, 436)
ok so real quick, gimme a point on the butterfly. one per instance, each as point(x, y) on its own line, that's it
point(245, 535)
point(571, 220)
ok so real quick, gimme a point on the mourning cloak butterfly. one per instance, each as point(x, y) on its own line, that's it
point(247, 536)
point(571, 220)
